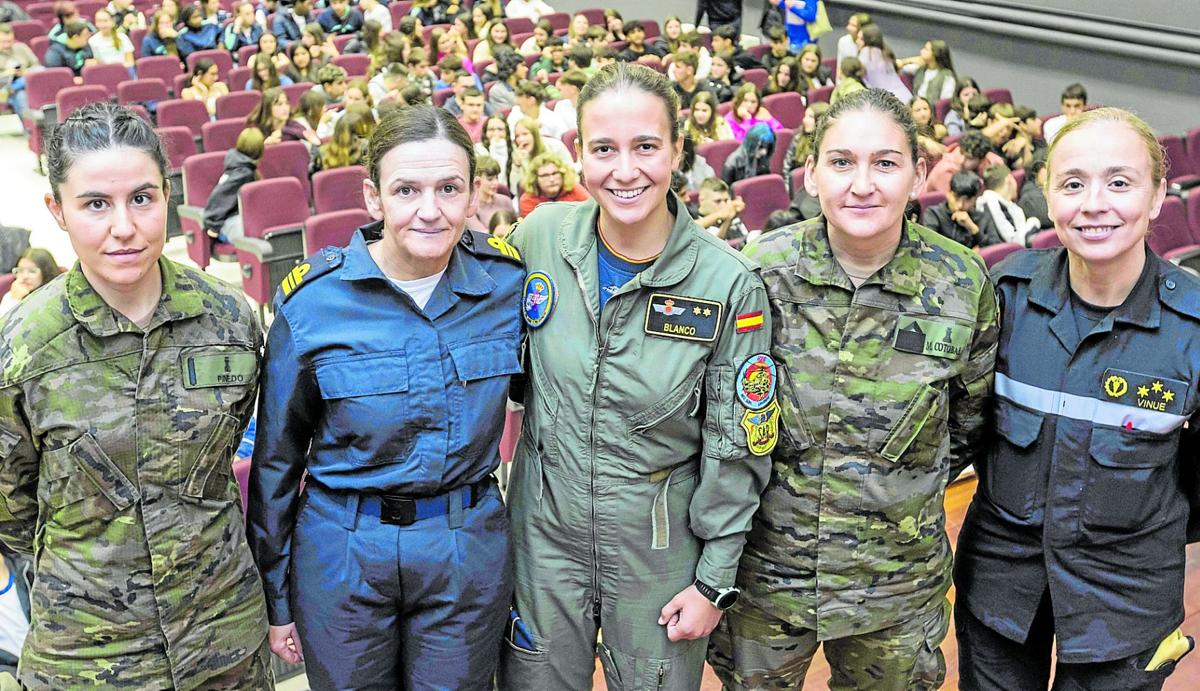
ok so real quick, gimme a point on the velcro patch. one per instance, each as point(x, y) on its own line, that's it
point(762, 429)
point(219, 369)
point(756, 382)
point(677, 316)
point(748, 321)
point(931, 337)
point(1146, 391)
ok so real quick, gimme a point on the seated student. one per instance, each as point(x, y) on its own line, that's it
point(579, 57)
point(340, 19)
point(308, 115)
point(196, 34)
point(796, 17)
point(331, 82)
point(357, 93)
point(473, 116)
point(548, 178)
point(301, 67)
point(780, 218)
point(529, 9)
point(320, 44)
point(693, 168)
point(510, 69)
point(958, 219)
point(956, 118)
point(635, 34)
point(66, 12)
point(777, 37)
point(16, 578)
point(932, 70)
point(73, 52)
point(242, 31)
point(569, 85)
point(724, 78)
point(502, 223)
point(536, 44)
point(726, 40)
point(419, 73)
point(1074, 100)
point(689, 43)
point(749, 111)
point(222, 218)
point(35, 268)
point(753, 157)
point(290, 20)
point(602, 56)
point(205, 85)
point(785, 78)
point(554, 59)
point(717, 211)
point(490, 200)
point(126, 15)
point(385, 87)
point(212, 13)
point(999, 201)
point(16, 60)
point(160, 39)
point(930, 132)
point(266, 76)
point(813, 73)
point(110, 45)
point(687, 85)
point(348, 145)
point(373, 10)
point(850, 79)
point(972, 153)
point(1032, 197)
point(531, 103)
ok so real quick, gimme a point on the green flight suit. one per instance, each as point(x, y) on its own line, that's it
point(884, 390)
point(633, 476)
point(116, 447)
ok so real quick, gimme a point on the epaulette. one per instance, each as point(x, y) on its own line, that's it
point(1023, 264)
point(303, 273)
point(1179, 290)
point(482, 244)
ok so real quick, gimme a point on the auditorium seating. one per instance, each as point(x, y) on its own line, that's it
point(788, 108)
point(107, 76)
point(783, 141)
point(716, 153)
point(994, 253)
point(1045, 239)
point(222, 58)
point(273, 213)
point(200, 175)
point(72, 97)
point(332, 229)
point(141, 91)
point(762, 194)
point(237, 104)
point(339, 189)
point(221, 135)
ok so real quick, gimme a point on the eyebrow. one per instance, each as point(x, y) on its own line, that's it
point(636, 140)
point(1111, 170)
point(406, 181)
point(102, 195)
point(881, 152)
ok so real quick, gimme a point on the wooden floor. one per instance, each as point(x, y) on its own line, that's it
point(1185, 678)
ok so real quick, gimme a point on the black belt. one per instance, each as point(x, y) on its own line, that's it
point(394, 509)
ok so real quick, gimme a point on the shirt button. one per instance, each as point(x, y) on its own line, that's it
point(1170, 284)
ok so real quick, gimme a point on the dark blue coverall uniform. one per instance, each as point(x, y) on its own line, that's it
point(1078, 528)
point(394, 563)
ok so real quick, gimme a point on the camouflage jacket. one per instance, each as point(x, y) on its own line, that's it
point(884, 391)
point(115, 474)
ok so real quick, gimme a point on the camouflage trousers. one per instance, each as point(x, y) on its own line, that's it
point(251, 674)
point(751, 649)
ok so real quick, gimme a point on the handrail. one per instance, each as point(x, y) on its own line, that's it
point(1019, 23)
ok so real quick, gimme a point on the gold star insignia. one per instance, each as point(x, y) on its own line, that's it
point(1168, 396)
point(1157, 387)
point(696, 311)
point(707, 312)
point(1143, 392)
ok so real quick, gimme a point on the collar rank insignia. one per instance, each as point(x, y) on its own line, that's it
point(1145, 391)
point(931, 337)
point(685, 318)
point(538, 299)
point(762, 428)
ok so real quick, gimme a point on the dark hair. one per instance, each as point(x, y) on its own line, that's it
point(625, 76)
point(995, 176)
point(44, 261)
point(1024, 112)
point(853, 68)
point(532, 89)
point(872, 37)
point(471, 92)
point(690, 59)
point(575, 77)
point(965, 184)
point(202, 65)
point(260, 117)
point(74, 28)
point(94, 127)
point(1035, 165)
point(272, 81)
point(633, 25)
point(727, 31)
point(979, 103)
point(956, 103)
point(1074, 91)
point(581, 55)
point(417, 123)
point(775, 33)
point(501, 216)
point(679, 182)
point(311, 107)
point(691, 38)
point(606, 52)
point(974, 145)
point(507, 61)
point(879, 100)
point(780, 218)
point(187, 12)
point(941, 54)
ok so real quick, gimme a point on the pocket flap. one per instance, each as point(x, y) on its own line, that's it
point(1020, 426)
point(98, 468)
point(492, 357)
point(669, 404)
point(363, 375)
point(1118, 448)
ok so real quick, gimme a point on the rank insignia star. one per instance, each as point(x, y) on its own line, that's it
point(1143, 392)
point(696, 311)
point(1157, 387)
point(707, 312)
point(1168, 396)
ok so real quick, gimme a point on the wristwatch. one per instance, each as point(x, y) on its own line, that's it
point(722, 598)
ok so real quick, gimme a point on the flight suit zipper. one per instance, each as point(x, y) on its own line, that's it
point(592, 442)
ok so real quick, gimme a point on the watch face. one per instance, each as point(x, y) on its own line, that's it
point(727, 599)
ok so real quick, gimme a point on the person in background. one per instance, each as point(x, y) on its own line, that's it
point(301, 67)
point(510, 71)
point(784, 78)
point(554, 59)
point(959, 217)
point(999, 202)
point(687, 85)
point(528, 143)
point(373, 10)
point(16, 60)
point(66, 12)
point(753, 157)
point(348, 145)
point(721, 78)
point(637, 48)
point(965, 89)
point(212, 12)
point(569, 85)
point(496, 36)
point(802, 143)
point(780, 218)
point(777, 38)
point(160, 39)
point(930, 132)
point(548, 178)
point(1071, 558)
point(205, 85)
point(126, 15)
point(319, 43)
point(331, 81)
point(1032, 196)
point(222, 218)
point(720, 13)
point(973, 153)
point(197, 34)
point(266, 76)
point(35, 268)
point(496, 144)
point(932, 70)
point(529, 9)
point(1074, 101)
point(851, 74)
point(748, 111)
point(717, 212)
point(473, 118)
point(242, 31)
point(110, 44)
point(796, 16)
point(690, 43)
point(290, 21)
point(268, 49)
point(847, 45)
point(340, 19)
point(879, 63)
point(531, 103)
point(577, 29)
point(502, 223)
point(726, 39)
point(73, 51)
point(490, 199)
point(813, 74)
point(271, 115)
point(705, 123)
point(16, 579)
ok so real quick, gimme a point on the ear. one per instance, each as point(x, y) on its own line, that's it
point(677, 151)
point(473, 204)
point(1160, 195)
point(810, 176)
point(56, 211)
point(371, 197)
point(922, 173)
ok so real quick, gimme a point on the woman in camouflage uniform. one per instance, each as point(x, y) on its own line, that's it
point(124, 387)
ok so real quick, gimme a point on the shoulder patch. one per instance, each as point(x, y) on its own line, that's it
point(303, 273)
point(482, 244)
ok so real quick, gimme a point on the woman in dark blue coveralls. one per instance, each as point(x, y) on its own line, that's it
point(1075, 540)
point(386, 374)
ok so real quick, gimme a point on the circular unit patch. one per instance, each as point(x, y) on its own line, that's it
point(538, 299)
point(756, 382)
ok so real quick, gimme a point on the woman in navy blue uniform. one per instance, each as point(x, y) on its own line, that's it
point(386, 374)
point(1076, 535)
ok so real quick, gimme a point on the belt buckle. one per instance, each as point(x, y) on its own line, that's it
point(397, 510)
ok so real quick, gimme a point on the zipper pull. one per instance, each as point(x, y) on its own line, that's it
point(662, 672)
point(596, 607)
point(696, 408)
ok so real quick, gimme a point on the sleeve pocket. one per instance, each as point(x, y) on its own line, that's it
point(363, 375)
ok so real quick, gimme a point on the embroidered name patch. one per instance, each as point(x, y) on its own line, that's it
point(219, 369)
point(1144, 391)
point(929, 337)
point(540, 294)
point(676, 316)
point(756, 382)
point(762, 428)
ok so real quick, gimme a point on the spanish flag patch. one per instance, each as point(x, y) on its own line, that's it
point(749, 321)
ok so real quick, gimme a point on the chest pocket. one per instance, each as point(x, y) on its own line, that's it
point(920, 429)
point(1014, 475)
point(477, 405)
point(683, 399)
point(1130, 479)
point(82, 484)
point(366, 410)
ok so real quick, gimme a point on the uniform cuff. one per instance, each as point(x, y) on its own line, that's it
point(719, 561)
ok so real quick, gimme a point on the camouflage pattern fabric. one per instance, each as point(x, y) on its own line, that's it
point(757, 651)
point(883, 391)
point(115, 474)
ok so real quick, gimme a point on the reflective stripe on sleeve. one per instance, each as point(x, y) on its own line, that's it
point(1085, 408)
